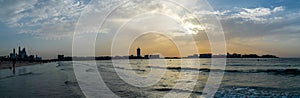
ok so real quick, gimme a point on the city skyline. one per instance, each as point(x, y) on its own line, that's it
point(258, 27)
point(140, 55)
point(130, 53)
point(149, 48)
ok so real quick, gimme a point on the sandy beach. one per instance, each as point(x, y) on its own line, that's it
point(8, 64)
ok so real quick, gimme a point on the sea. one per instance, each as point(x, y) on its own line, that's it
point(155, 78)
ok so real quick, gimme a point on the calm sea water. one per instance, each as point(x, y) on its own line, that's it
point(242, 78)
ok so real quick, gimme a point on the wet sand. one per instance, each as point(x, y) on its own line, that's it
point(8, 64)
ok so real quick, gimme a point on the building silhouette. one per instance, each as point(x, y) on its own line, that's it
point(234, 55)
point(268, 56)
point(138, 52)
point(250, 56)
point(146, 57)
point(22, 53)
point(13, 55)
point(61, 57)
point(205, 55)
point(23, 56)
point(154, 57)
point(193, 56)
point(139, 55)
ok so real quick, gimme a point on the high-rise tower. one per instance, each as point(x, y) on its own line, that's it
point(19, 50)
point(138, 52)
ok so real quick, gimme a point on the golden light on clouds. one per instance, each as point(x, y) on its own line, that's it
point(154, 43)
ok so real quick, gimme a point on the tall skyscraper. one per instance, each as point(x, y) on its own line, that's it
point(13, 55)
point(14, 51)
point(138, 52)
point(19, 50)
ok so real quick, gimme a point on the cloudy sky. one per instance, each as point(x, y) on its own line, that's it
point(46, 27)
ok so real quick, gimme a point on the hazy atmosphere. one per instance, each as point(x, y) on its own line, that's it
point(46, 27)
point(149, 49)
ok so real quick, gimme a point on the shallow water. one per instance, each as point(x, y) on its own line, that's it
point(242, 78)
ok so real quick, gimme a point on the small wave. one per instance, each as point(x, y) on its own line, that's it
point(71, 83)
point(136, 69)
point(19, 74)
point(6, 77)
point(239, 65)
point(273, 71)
point(28, 73)
point(90, 70)
point(244, 92)
point(66, 69)
point(186, 69)
point(176, 90)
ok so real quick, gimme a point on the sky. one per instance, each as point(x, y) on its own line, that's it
point(46, 27)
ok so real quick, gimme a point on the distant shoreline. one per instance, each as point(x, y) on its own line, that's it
point(9, 64)
point(91, 59)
